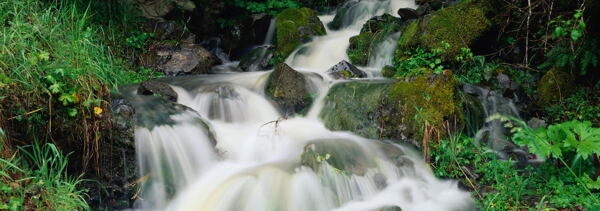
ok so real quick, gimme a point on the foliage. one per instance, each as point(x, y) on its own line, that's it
point(500, 185)
point(139, 40)
point(425, 103)
point(581, 105)
point(419, 61)
point(572, 52)
point(270, 6)
point(38, 180)
point(574, 141)
point(554, 86)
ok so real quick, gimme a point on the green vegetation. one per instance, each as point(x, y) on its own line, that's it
point(296, 26)
point(501, 185)
point(271, 6)
point(36, 179)
point(372, 34)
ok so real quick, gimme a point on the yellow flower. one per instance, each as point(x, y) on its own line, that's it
point(492, 205)
point(97, 110)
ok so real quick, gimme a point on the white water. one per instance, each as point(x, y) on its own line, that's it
point(255, 164)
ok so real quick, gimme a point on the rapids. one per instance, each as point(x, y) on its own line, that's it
point(249, 157)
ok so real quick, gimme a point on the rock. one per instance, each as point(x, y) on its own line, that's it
point(157, 9)
point(426, 101)
point(388, 71)
point(459, 26)
point(294, 27)
point(345, 70)
point(408, 13)
point(505, 82)
point(375, 31)
point(169, 30)
point(535, 123)
point(356, 106)
point(289, 89)
point(179, 60)
point(340, 21)
point(257, 59)
point(123, 121)
point(344, 155)
point(554, 85)
point(157, 88)
point(247, 32)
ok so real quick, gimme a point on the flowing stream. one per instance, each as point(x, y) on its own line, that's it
point(226, 147)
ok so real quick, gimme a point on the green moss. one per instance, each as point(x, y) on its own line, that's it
point(458, 26)
point(409, 34)
point(360, 48)
point(372, 33)
point(554, 85)
point(354, 106)
point(425, 103)
point(295, 26)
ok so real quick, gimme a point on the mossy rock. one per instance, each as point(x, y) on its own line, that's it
point(294, 27)
point(372, 34)
point(289, 89)
point(344, 155)
point(355, 106)
point(427, 102)
point(459, 26)
point(554, 85)
point(338, 21)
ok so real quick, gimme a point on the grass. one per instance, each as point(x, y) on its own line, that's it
point(35, 178)
point(501, 185)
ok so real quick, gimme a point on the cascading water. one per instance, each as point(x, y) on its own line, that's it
point(224, 146)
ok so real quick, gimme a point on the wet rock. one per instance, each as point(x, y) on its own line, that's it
point(345, 70)
point(294, 27)
point(340, 21)
point(179, 60)
point(408, 13)
point(247, 32)
point(257, 59)
point(380, 181)
point(157, 88)
point(289, 89)
point(356, 106)
point(343, 155)
point(123, 121)
point(375, 31)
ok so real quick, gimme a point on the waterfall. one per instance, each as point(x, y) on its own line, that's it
point(224, 146)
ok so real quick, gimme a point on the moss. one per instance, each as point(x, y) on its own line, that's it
point(338, 20)
point(372, 33)
point(360, 48)
point(296, 26)
point(459, 26)
point(425, 102)
point(354, 106)
point(554, 85)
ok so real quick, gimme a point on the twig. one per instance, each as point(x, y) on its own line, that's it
point(26, 114)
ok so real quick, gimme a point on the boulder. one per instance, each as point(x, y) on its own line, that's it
point(245, 33)
point(340, 21)
point(375, 31)
point(289, 89)
point(153, 87)
point(356, 106)
point(257, 59)
point(344, 155)
point(554, 85)
point(345, 70)
point(179, 60)
point(450, 29)
point(294, 27)
point(157, 9)
point(408, 13)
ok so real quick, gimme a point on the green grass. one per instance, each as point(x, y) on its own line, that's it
point(500, 185)
point(35, 178)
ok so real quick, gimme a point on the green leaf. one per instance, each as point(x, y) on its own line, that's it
point(575, 35)
point(72, 112)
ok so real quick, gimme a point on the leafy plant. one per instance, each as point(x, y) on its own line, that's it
point(270, 6)
point(419, 61)
point(139, 40)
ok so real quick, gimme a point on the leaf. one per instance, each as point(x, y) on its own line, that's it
point(72, 112)
point(575, 35)
point(55, 88)
point(67, 99)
